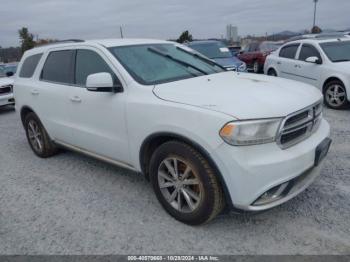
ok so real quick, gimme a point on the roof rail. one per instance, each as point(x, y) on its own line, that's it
point(62, 42)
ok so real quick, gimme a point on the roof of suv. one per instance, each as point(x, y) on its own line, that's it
point(104, 42)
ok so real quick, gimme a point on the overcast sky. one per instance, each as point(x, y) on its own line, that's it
point(164, 19)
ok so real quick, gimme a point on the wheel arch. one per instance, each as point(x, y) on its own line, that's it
point(24, 111)
point(152, 142)
point(329, 79)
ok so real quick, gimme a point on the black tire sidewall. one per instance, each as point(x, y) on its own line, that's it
point(47, 147)
point(258, 67)
point(272, 72)
point(205, 209)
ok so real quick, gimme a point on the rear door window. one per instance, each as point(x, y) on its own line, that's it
point(289, 51)
point(29, 65)
point(58, 67)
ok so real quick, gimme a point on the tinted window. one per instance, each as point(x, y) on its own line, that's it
point(88, 62)
point(29, 65)
point(289, 51)
point(308, 51)
point(59, 67)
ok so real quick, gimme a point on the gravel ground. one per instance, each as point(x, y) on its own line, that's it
point(72, 204)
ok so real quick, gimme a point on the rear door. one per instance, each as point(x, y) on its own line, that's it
point(287, 62)
point(51, 93)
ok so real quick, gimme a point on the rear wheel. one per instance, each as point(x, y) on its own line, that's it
point(185, 184)
point(272, 72)
point(335, 95)
point(256, 67)
point(37, 137)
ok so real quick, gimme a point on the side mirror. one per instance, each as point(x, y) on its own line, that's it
point(313, 59)
point(102, 82)
point(241, 52)
point(9, 74)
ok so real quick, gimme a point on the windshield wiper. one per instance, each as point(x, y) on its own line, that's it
point(183, 63)
point(202, 58)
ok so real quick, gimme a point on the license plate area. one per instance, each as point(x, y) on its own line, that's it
point(322, 150)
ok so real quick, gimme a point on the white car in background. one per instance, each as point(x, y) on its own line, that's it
point(6, 91)
point(205, 137)
point(324, 63)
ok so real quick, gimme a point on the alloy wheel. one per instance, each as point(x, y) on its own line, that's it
point(35, 136)
point(335, 95)
point(179, 184)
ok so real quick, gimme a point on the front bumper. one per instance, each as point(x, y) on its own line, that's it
point(7, 99)
point(251, 171)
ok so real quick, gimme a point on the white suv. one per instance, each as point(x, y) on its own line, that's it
point(206, 138)
point(324, 63)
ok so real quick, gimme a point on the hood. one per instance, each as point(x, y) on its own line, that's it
point(6, 81)
point(241, 95)
point(228, 61)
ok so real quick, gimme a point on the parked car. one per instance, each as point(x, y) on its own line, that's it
point(234, 50)
point(218, 51)
point(255, 53)
point(158, 109)
point(6, 91)
point(324, 63)
point(8, 70)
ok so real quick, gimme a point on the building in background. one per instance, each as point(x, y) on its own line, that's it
point(232, 33)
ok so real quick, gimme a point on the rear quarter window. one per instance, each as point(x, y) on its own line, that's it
point(29, 65)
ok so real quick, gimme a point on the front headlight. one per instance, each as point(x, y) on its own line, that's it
point(251, 132)
point(242, 67)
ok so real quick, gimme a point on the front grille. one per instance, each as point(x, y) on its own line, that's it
point(5, 90)
point(300, 125)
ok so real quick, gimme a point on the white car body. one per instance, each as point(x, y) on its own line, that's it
point(115, 127)
point(311, 73)
point(6, 92)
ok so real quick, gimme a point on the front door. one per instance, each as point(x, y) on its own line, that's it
point(98, 118)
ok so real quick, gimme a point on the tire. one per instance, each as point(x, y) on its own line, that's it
point(335, 96)
point(256, 67)
point(195, 197)
point(37, 137)
point(272, 72)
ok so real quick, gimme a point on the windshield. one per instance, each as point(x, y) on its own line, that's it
point(152, 64)
point(337, 51)
point(212, 50)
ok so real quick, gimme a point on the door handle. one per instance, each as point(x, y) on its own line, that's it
point(279, 63)
point(75, 99)
point(297, 66)
point(34, 92)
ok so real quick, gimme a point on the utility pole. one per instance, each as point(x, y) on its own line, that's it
point(121, 32)
point(315, 2)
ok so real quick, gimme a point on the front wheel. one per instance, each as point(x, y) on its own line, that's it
point(335, 95)
point(272, 72)
point(185, 184)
